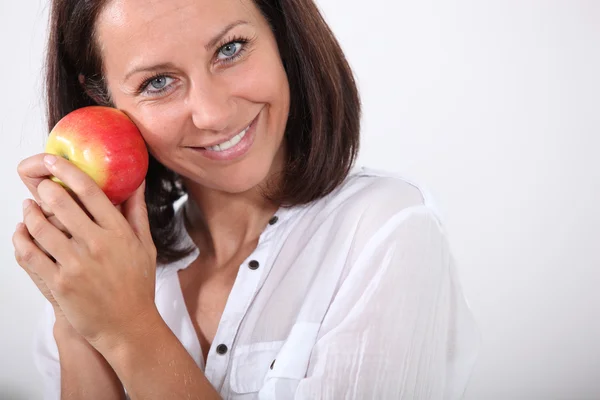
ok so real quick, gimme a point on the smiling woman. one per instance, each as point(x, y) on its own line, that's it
point(255, 262)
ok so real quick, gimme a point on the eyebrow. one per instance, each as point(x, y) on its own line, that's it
point(212, 43)
point(150, 68)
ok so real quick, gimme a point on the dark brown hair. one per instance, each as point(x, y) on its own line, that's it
point(322, 132)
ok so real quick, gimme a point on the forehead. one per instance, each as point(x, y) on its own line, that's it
point(142, 26)
point(139, 13)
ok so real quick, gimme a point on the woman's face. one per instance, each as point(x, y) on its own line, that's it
point(196, 73)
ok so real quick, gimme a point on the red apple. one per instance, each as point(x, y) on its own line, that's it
point(104, 143)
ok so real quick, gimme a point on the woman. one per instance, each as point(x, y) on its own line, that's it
point(254, 262)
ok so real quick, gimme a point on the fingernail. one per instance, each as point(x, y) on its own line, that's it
point(50, 159)
point(26, 204)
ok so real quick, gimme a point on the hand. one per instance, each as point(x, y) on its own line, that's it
point(104, 276)
point(32, 172)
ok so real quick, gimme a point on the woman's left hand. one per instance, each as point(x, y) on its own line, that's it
point(104, 275)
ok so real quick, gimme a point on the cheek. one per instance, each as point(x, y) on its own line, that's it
point(162, 145)
point(158, 127)
point(264, 80)
point(157, 141)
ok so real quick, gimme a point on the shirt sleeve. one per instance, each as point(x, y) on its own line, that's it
point(399, 326)
point(45, 354)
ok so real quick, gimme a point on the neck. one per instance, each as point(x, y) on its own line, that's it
point(222, 224)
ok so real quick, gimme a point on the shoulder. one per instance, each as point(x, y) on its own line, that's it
point(376, 225)
point(377, 196)
point(370, 208)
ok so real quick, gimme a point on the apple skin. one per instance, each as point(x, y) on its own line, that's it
point(104, 143)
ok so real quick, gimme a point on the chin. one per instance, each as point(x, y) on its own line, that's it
point(249, 174)
point(241, 180)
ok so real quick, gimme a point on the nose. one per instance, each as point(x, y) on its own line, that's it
point(211, 106)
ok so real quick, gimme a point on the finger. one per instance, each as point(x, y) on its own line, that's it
point(45, 209)
point(42, 249)
point(66, 210)
point(87, 191)
point(136, 213)
point(59, 225)
point(32, 171)
point(51, 239)
point(48, 212)
point(31, 258)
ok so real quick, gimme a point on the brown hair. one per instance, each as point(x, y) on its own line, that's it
point(322, 132)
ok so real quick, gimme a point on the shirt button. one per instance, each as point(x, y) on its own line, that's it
point(253, 265)
point(221, 349)
point(273, 220)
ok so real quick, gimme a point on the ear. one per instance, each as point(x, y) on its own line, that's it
point(90, 92)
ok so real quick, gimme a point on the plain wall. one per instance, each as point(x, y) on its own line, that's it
point(491, 105)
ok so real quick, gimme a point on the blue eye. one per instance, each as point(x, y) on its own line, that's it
point(159, 83)
point(230, 50)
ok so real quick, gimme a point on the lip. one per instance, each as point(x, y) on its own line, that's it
point(236, 151)
point(216, 142)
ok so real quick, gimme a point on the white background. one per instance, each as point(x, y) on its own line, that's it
point(494, 106)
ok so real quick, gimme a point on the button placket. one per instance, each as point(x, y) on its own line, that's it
point(244, 289)
point(222, 349)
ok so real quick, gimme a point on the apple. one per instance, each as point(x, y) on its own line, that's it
point(104, 143)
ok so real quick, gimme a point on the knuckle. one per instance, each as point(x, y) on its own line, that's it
point(62, 284)
point(15, 240)
point(23, 167)
point(18, 257)
point(123, 233)
point(74, 270)
point(96, 247)
point(26, 256)
point(47, 190)
point(55, 200)
point(87, 189)
point(37, 228)
point(44, 186)
point(21, 263)
point(70, 273)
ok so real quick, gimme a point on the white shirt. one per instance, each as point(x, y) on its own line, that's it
point(356, 296)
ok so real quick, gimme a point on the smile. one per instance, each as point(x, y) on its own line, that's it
point(234, 148)
point(229, 143)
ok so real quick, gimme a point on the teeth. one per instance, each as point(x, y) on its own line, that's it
point(230, 143)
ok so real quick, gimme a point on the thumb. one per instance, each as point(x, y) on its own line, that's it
point(135, 211)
